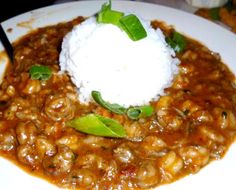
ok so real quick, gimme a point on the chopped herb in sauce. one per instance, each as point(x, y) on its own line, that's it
point(177, 41)
point(139, 112)
point(116, 108)
point(132, 113)
point(214, 13)
point(40, 72)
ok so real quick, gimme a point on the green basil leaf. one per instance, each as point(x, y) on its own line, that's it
point(40, 72)
point(140, 112)
point(214, 13)
point(116, 108)
point(177, 42)
point(133, 27)
point(110, 17)
point(105, 7)
point(130, 23)
point(98, 125)
point(106, 15)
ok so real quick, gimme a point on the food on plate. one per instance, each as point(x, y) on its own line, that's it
point(127, 57)
point(225, 14)
point(57, 123)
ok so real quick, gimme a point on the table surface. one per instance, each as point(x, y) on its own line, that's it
point(178, 4)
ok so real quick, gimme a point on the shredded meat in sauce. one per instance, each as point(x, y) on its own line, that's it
point(193, 124)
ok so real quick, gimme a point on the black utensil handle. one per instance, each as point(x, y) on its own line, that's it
point(6, 43)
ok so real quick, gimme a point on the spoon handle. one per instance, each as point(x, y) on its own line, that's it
point(6, 43)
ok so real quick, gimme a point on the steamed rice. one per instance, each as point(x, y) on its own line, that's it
point(102, 57)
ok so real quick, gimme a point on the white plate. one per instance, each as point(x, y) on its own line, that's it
point(217, 175)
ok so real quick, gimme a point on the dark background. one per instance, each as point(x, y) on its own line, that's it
point(10, 8)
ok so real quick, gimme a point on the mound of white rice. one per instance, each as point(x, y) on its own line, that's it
point(102, 57)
